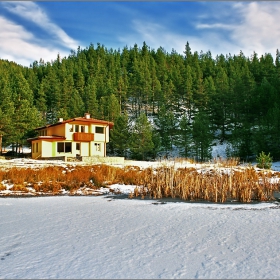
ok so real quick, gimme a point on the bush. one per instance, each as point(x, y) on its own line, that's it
point(264, 161)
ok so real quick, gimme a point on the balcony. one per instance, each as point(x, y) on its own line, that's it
point(83, 137)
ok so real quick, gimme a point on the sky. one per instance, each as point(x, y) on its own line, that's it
point(31, 31)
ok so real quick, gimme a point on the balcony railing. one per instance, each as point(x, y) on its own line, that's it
point(83, 137)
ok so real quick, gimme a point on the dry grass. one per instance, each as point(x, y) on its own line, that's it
point(2, 187)
point(189, 184)
point(229, 162)
point(19, 188)
point(243, 185)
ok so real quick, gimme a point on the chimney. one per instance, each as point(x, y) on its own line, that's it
point(60, 120)
point(87, 115)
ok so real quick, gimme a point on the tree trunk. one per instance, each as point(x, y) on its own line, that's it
point(1, 144)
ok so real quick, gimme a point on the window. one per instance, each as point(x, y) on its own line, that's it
point(64, 147)
point(99, 129)
point(60, 147)
point(37, 148)
point(79, 128)
point(78, 146)
point(43, 132)
point(68, 147)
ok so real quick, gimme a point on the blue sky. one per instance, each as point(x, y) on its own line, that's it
point(33, 30)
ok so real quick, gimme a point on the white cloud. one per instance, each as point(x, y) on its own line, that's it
point(213, 26)
point(156, 35)
point(256, 30)
point(19, 45)
point(34, 13)
point(250, 27)
point(259, 30)
point(24, 47)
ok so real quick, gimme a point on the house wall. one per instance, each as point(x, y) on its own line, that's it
point(96, 148)
point(70, 129)
point(36, 149)
point(48, 149)
point(56, 130)
point(84, 148)
point(45, 149)
point(100, 137)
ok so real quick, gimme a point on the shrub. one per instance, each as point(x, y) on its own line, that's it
point(264, 161)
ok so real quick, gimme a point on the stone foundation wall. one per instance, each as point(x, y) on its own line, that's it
point(108, 160)
point(64, 158)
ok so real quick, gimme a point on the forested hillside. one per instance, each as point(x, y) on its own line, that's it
point(157, 100)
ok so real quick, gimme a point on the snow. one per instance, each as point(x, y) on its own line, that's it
point(111, 236)
point(106, 237)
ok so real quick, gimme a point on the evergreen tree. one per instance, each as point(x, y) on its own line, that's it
point(109, 107)
point(24, 120)
point(120, 136)
point(188, 92)
point(141, 140)
point(220, 101)
point(184, 140)
point(202, 137)
point(89, 99)
point(166, 127)
point(76, 105)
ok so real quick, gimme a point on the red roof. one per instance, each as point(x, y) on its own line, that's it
point(54, 137)
point(80, 119)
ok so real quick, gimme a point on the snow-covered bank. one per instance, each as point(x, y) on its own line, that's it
point(216, 181)
point(102, 237)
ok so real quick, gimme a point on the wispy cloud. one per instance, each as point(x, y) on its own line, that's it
point(214, 26)
point(156, 35)
point(28, 32)
point(250, 27)
point(259, 30)
point(256, 30)
point(17, 44)
point(34, 13)
point(22, 45)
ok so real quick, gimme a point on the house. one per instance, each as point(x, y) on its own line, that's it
point(77, 137)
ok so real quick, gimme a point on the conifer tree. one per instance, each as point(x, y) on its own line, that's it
point(120, 136)
point(76, 105)
point(188, 92)
point(141, 144)
point(24, 120)
point(220, 101)
point(166, 127)
point(202, 137)
point(184, 140)
point(89, 99)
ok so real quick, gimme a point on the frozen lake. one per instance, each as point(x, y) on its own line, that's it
point(101, 237)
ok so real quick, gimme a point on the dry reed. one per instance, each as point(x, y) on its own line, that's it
point(232, 184)
point(189, 184)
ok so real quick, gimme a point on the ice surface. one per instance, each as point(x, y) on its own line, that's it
point(105, 237)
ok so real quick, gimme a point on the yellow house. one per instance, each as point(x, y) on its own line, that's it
point(78, 137)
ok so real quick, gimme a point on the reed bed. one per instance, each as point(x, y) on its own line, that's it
point(244, 186)
point(213, 185)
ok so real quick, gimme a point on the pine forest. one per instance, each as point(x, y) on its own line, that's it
point(159, 101)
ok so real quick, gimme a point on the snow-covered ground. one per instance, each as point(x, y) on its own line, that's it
point(111, 236)
point(106, 237)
